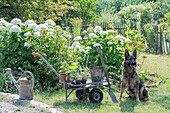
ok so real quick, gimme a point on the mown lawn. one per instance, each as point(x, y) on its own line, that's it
point(159, 100)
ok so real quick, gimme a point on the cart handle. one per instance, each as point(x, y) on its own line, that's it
point(36, 54)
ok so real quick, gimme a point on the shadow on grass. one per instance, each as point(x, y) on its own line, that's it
point(77, 104)
point(128, 105)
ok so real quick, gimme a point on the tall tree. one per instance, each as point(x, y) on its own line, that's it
point(37, 10)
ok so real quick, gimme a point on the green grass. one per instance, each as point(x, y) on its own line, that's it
point(159, 100)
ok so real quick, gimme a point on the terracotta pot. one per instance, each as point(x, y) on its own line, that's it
point(66, 77)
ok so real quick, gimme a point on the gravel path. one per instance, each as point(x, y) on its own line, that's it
point(8, 107)
point(9, 103)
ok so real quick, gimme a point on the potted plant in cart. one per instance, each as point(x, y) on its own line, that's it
point(64, 73)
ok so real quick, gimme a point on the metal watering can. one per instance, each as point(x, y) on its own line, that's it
point(26, 86)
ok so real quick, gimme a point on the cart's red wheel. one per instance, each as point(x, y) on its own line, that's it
point(96, 96)
point(82, 94)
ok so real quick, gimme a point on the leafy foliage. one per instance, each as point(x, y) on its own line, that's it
point(36, 10)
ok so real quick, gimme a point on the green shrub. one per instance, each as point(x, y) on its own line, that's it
point(112, 51)
point(48, 39)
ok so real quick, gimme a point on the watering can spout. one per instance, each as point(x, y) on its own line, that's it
point(9, 70)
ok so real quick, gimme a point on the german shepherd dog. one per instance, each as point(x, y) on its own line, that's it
point(131, 80)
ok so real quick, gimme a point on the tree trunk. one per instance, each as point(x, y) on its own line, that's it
point(160, 48)
point(166, 41)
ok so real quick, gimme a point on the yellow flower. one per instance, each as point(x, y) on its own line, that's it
point(113, 27)
point(144, 56)
point(116, 31)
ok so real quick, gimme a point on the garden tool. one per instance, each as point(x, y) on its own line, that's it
point(114, 99)
point(26, 86)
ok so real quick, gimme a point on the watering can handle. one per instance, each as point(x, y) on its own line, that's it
point(25, 74)
point(36, 54)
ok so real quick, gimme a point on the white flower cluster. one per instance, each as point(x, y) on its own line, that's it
point(2, 28)
point(51, 34)
point(26, 44)
point(49, 22)
point(34, 27)
point(82, 50)
point(27, 34)
point(104, 32)
point(68, 36)
point(9, 25)
point(96, 44)
point(37, 34)
point(16, 21)
point(76, 45)
point(127, 40)
point(78, 38)
point(27, 22)
point(109, 43)
point(97, 29)
point(118, 37)
point(93, 35)
point(88, 47)
point(111, 31)
point(15, 28)
point(43, 27)
point(3, 22)
point(119, 48)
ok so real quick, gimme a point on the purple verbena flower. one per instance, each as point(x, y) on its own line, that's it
point(8, 82)
point(87, 60)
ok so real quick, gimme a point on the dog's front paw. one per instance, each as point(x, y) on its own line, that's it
point(138, 101)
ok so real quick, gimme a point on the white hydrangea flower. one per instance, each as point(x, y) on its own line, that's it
point(127, 40)
point(96, 45)
point(27, 22)
point(65, 46)
point(27, 34)
point(75, 44)
point(3, 22)
point(15, 21)
point(43, 27)
point(93, 35)
point(50, 30)
point(82, 50)
point(118, 37)
point(84, 32)
point(68, 36)
point(34, 26)
point(37, 34)
point(111, 31)
point(77, 47)
point(51, 34)
point(119, 48)
point(49, 21)
point(64, 38)
point(78, 38)
point(26, 44)
point(104, 32)
point(9, 25)
point(88, 47)
point(97, 29)
point(110, 43)
point(57, 27)
point(2, 28)
point(15, 28)
point(142, 72)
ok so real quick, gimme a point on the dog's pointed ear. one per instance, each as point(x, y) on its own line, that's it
point(135, 53)
point(126, 54)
